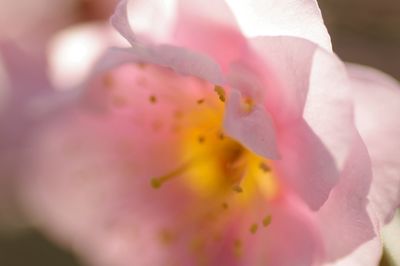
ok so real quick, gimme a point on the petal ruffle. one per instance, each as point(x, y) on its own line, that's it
point(377, 109)
point(282, 18)
point(299, 91)
point(345, 212)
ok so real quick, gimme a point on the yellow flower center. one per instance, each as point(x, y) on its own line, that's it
point(215, 165)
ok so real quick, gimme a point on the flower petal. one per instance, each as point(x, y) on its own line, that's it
point(298, 93)
point(377, 109)
point(281, 17)
point(184, 23)
point(291, 239)
point(253, 129)
point(306, 166)
point(367, 254)
point(345, 212)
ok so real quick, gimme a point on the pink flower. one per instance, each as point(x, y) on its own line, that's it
point(241, 140)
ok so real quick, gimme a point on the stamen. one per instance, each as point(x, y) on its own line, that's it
point(237, 188)
point(253, 228)
point(157, 182)
point(221, 92)
point(247, 104)
point(167, 237)
point(201, 139)
point(237, 247)
point(263, 166)
point(108, 81)
point(141, 65)
point(152, 99)
point(267, 220)
point(200, 101)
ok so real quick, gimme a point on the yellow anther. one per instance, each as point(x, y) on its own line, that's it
point(156, 183)
point(166, 237)
point(152, 99)
point(263, 166)
point(237, 247)
point(201, 139)
point(253, 228)
point(267, 220)
point(247, 104)
point(221, 92)
point(237, 188)
point(108, 81)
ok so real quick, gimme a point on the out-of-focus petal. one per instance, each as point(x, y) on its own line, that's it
point(180, 60)
point(368, 254)
point(377, 108)
point(183, 23)
point(73, 52)
point(345, 213)
point(281, 17)
point(4, 86)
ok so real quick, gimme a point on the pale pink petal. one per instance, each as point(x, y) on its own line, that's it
point(368, 254)
point(253, 129)
point(377, 109)
point(211, 30)
point(343, 220)
point(182, 23)
point(4, 86)
point(307, 109)
point(286, 65)
point(329, 107)
point(281, 17)
point(305, 166)
point(292, 237)
point(91, 166)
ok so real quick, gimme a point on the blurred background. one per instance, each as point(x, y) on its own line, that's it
point(362, 31)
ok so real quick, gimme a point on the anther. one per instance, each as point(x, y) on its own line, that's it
point(157, 182)
point(267, 220)
point(253, 228)
point(237, 188)
point(152, 99)
point(263, 166)
point(237, 247)
point(221, 92)
point(201, 139)
point(108, 81)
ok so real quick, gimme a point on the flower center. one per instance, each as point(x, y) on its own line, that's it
point(213, 165)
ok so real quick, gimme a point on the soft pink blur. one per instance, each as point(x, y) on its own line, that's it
point(93, 149)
